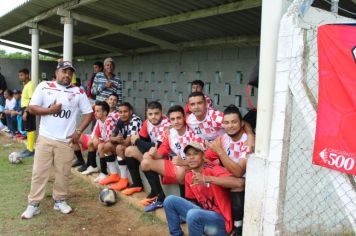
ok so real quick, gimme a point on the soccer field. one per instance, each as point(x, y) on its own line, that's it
point(89, 216)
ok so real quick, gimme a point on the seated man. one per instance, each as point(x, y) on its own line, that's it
point(91, 142)
point(169, 159)
point(209, 210)
point(129, 124)
point(110, 123)
point(232, 152)
point(198, 86)
point(152, 133)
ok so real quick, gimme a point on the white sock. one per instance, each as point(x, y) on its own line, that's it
point(123, 171)
point(112, 167)
point(119, 158)
point(238, 223)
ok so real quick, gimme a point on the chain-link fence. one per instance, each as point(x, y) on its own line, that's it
point(317, 200)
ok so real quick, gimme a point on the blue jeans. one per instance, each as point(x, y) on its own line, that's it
point(199, 221)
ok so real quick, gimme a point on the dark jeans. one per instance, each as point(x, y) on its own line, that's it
point(11, 122)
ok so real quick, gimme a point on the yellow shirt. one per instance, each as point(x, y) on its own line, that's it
point(27, 92)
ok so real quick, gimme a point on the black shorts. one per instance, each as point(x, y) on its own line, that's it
point(144, 146)
point(30, 123)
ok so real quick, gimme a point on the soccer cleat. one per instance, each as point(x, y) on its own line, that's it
point(101, 176)
point(77, 163)
point(122, 184)
point(31, 211)
point(147, 201)
point(113, 178)
point(153, 206)
point(26, 153)
point(90, 170)
point(132, 190)
point(82, 168)
point(61, 205)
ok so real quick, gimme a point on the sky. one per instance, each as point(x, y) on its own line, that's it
point(6, 6)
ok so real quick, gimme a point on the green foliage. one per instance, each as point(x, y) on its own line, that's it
point(21, 55)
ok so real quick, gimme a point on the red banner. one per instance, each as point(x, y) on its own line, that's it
point(335, 137)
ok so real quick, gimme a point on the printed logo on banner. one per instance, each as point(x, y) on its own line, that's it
point(337, 159)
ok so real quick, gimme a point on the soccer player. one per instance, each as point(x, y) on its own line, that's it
point(114, 149)
point(152, 133)
point(231, 151)
point(58, 104)
point(198, 86)
point(91, 142)
point(169, 159)
point(207, 209)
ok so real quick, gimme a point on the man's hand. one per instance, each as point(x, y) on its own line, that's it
point(250, 143)
point(178, 161)
point(74, 138)
point(134, 138)
point(14, 113)
point(153, 151)
point(216, 146)
point(55, 107)
point(197, 179)
point(108, 84)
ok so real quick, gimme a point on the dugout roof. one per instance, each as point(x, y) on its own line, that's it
point(128, 27)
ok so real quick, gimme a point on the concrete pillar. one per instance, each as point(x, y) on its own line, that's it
point(67, 38)
point(35, 42)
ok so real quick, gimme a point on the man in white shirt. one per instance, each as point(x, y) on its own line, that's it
point(58, 104)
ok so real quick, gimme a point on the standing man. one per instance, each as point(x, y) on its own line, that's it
point(198, 86)
point(97, 67)
point(3, 87)
point(207, 207)
point(106, 83)
point(29, 120)
point(58, 104)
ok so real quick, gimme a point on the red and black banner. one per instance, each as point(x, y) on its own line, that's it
point(335, 138)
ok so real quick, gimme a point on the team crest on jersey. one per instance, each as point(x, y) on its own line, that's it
point(71, 96)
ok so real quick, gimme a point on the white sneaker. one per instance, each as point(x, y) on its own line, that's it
point(100, 177)
point(90, 170)
point(31, 211)
point(62, 206)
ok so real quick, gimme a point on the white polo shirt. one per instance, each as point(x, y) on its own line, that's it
point(73, 99)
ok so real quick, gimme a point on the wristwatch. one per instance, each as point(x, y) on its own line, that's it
point(78, 131)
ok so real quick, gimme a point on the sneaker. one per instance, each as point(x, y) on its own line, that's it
point(100, 177)
point(122, 184)
point(82, 168)
point(90, 170)
point(77, 163)
point(62, 206)
point(113, 178)
point(153, 206)
point(31, 211)
point(27, 153)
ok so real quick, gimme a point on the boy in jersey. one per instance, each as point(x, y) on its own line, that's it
point(114, 149)
point(101, 112)
point(172, 170)
point(198, 86)
point(208, 211)
point(232, 152)
point(152, 133)
point(58, 104)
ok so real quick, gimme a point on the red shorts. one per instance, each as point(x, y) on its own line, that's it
point(170, 174)
point(85, 140)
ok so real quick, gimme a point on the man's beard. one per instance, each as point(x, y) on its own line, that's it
point(234, 134)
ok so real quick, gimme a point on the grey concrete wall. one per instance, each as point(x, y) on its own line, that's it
point(10, 67)
point(167, 76)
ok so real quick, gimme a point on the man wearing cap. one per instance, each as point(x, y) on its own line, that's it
point(208, 211)
point(29, 120)
point(106, 83)
point(58, 104)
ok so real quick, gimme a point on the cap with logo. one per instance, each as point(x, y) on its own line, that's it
point(65, 65)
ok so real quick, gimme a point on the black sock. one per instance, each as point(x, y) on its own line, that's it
point(92, 159)
point(133, 166)
point(237, 207)
point(79, 155)
point(182, 190)
point(155, 183)
point(122, 163)
point(103, 165)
